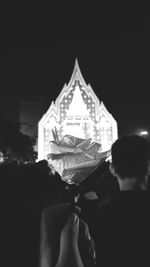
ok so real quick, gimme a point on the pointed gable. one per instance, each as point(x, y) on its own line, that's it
point(77, 111)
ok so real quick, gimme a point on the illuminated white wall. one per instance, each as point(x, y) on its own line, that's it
point(77, 111)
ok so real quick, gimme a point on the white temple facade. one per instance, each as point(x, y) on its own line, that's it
point(77, 111)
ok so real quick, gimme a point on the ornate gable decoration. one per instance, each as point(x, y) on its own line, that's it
point(77, 111)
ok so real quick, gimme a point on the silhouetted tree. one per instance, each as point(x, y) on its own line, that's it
point(13, 143)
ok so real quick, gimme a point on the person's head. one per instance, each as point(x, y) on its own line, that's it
point(130, 161)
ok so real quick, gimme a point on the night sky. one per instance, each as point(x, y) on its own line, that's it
point(117, 68)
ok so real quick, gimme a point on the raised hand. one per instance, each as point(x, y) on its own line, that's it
point(65, 239)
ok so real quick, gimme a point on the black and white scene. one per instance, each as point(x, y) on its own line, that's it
point(75, 151)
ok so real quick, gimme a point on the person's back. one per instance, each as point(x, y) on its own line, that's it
point(122, 235)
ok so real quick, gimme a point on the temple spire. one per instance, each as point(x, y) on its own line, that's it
point(76, 63)
point(76, 67)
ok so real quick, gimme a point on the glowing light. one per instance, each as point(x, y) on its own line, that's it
point(144, 133)
point(77, 111)
point(1, 157)
point(77, 106)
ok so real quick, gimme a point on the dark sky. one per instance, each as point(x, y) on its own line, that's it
point(117, 67)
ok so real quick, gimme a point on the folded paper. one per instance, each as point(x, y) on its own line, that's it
point(74, 158)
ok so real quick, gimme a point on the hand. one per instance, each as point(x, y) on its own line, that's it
point(69, 253)
point(65, 239)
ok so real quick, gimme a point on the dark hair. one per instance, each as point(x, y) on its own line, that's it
point(130, 156)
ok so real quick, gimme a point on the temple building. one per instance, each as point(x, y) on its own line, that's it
point(77, 111)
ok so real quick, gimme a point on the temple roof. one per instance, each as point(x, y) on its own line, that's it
point(77, 111)
point(76, 74)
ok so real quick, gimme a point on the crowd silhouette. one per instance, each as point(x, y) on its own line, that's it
point(27, 189)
